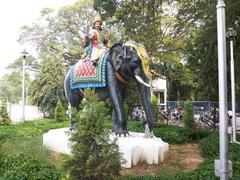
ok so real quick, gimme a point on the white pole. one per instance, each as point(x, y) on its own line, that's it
point(223, 169)
point(233, 94)
point(23, 84)
point(23, 90)
point(165, 99)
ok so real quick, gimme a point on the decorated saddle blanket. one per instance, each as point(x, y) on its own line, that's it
point(89, 73)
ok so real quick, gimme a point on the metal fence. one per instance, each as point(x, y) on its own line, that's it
point(206, 113)
point(206, 105)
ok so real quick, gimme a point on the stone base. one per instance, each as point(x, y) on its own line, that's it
point(58, 140)
point(134, 147)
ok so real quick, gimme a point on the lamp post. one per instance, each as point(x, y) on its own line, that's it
point(24, 53)
point(231, 34)
point(223, 165)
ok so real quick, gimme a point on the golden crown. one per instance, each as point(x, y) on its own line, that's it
point(97, 19)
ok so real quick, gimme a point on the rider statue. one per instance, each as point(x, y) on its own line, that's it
point(95, 42)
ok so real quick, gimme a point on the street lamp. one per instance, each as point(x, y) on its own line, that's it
point(223, 167)
point(231, 34)
point(24, 53)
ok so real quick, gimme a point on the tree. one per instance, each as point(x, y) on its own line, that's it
point(60, 34)
point(202, 50)
point(11, 87)
point(4, 116)
point(155, 107)
point(59, 44)
point(132, 99)
point(188, 116)
point(94, 156)
point(59, 113)
point(11, 82)
point(151, 22)
point(32, 65)
point(157, 26)
point(48, 88)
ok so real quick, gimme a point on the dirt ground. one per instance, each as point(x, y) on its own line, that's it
point(180, 158)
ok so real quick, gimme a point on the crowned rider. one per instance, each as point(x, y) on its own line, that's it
point(97, 42)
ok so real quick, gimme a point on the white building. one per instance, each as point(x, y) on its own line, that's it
point(159, 89)
point(31, 112)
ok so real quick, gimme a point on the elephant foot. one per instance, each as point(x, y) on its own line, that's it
point(120, 132)
point(73, 127)
point(149, 135)
point(114, 130)
point(148, 132)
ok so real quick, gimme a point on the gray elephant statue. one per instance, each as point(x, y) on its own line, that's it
point(124, 62)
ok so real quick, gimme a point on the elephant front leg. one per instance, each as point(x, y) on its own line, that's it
point(145, 97)
point(119, 116)
point(118, 119)
point(73, 118)
point(114, 121)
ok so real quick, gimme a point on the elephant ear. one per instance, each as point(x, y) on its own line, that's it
point(126, 54)
point(119, 61)
point(117, 55)
point(123, 57)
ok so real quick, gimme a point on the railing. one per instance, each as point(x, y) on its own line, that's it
point(205, 113)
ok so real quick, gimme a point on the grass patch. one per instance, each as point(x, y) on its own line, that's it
point(33, 147)
point(25, 139)
point(29, 129)
point(22, 153)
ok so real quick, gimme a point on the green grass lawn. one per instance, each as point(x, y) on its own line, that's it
point(22, 154)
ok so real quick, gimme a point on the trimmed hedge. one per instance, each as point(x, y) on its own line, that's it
point(169, 133)
point(59, 112)
point(210, 147)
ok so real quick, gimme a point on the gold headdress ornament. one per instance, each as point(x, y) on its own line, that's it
point(97, 19)
point(142, 53)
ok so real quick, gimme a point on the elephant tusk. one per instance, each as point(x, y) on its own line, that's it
point(139, 79)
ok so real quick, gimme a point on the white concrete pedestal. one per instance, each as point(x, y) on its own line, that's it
point(134, 148)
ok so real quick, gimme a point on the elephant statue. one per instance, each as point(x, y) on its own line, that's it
point(124, 63)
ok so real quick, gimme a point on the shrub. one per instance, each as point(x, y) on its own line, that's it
point(154, 105)
point(210, 149)
point(59, 113)
point(171, 134)
point(188, 116)
point(4, 116)
point(210, 146)
point(135, 126)
point(93, 156)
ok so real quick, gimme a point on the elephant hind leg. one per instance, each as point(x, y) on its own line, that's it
point(75, 98)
